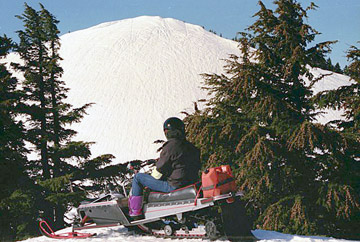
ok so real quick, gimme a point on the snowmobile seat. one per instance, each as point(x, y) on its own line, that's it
point(184, 193)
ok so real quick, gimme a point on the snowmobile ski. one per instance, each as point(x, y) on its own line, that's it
point(46, 230)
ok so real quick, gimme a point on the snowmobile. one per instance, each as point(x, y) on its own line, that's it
point(208, 209)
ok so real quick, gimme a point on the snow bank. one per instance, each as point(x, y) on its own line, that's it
point(106, 234)
point(121, 234)
point(271, 236)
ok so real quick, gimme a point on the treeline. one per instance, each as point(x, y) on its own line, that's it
point(299, 176)
point(35, 118)
point(322, 63)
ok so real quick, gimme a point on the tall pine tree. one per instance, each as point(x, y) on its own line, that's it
point(33, 51)
point(17, 193)
point(48, 115)
point(33, 188)
point(261, 119)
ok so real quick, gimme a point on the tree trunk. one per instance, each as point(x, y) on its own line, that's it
point(55, 113)
point(43, 138)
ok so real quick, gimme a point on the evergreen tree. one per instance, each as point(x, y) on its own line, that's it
point(16, 189)
point(49, 116)
point(56, 87)
point(337, 68)
point(33, 51)
point(348, 99)
point(345, 72)
point(41, 104)
point(329, 66)
point(60, 116)
point(260, 120)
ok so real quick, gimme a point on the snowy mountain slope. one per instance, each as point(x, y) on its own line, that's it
point(139, 72)
point(330, 81)
point(121, 234)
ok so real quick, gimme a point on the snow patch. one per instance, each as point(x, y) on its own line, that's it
point(272, 236)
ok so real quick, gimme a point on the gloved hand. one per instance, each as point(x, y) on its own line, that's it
point(151, 161)
point(156, 174)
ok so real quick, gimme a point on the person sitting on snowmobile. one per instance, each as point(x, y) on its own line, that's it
point(178, 166)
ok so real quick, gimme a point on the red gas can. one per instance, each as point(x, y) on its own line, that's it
point(217, 181)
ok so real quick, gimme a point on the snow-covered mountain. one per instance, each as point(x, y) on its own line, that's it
point(139, 72)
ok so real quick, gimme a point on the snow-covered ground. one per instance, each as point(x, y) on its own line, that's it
point(121, 234)
point(272, 236)
point(139, 72)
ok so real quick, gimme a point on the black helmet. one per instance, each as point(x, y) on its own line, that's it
point(174, 125)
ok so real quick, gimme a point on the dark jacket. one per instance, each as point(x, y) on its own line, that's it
point(179, 162)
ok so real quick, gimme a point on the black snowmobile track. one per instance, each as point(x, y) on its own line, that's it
point(198, 236)
point(175, 235)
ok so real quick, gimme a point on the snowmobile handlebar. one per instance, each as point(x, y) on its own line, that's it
point(138, 164)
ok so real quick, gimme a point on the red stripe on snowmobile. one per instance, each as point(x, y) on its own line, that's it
point(207, 200)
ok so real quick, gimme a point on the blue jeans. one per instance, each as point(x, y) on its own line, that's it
point(142, 180)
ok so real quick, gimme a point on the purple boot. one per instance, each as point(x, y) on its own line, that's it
point(135, 206)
